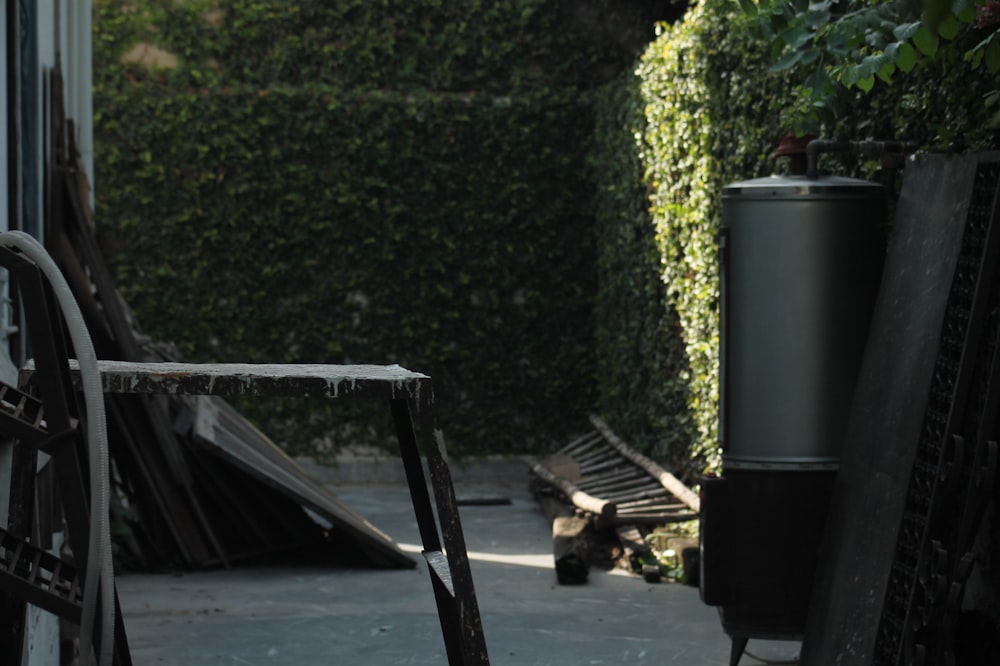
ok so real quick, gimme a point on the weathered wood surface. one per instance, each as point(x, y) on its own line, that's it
point(599, 482)
point(192, 506)
point(599, 474)
point(571, 549)
point(254, 379)
point(577, 497)
point(668, 480)
point(223, 431)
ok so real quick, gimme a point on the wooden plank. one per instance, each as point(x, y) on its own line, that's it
point(160, 503)
point(255, 379)
point(891, 399)
point(668, 480)
point(74, 246)
point(581, 444)
point(579, 498)
point(630, 495)
point(627, 473)
point(654, 518)
point(638, 481)
point(227, 434)
point(571, 549)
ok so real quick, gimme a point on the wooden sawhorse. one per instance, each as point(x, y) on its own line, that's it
point(444, 548)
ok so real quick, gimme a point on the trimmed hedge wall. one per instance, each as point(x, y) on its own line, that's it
point(642, 367)
point(358, 182)
point(709, 113)
point(710, 119)
point(696, 114)
point(415, 182)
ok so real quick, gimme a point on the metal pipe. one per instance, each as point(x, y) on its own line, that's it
point(866, 148)
point(98, 582)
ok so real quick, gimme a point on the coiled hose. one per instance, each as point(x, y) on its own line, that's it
point(100, 567)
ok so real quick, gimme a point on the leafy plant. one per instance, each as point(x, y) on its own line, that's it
point(641, 365)
point(837, 46)
point(361, 182)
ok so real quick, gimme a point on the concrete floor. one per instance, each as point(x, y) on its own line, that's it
point(304, 615)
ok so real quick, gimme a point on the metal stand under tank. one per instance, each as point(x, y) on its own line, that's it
point(801, 261)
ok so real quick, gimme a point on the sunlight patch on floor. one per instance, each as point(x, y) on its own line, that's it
point(526, 560)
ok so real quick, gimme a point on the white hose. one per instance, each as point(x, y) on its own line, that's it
point(100, 567)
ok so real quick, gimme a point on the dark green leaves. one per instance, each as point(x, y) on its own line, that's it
point(906, 60)
point(926, 41)
point(874, 42)
point(371, 182)
point(986, 53)
point(906, 31)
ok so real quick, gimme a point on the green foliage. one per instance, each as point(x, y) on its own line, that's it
point(444, 46)
point(716, 99)
point(359, 182)
point(836, 50)
point(641, 364)
point(408, 182)
point(711, 117)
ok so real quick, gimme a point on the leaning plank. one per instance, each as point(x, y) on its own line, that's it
point(580, 499)
point(223, 431)
point(668, 480)
point(74, 247)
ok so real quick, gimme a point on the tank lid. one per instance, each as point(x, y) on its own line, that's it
point(778, 186)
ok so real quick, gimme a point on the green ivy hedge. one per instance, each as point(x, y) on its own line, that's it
point(361, 182)
point(695, 114)
point(641, 362)
point(437, 184)
point(702, 110)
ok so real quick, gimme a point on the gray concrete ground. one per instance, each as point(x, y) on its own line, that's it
point(304, 615)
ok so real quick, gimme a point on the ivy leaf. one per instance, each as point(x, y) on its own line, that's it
point(949, 28)
point(816, 82)
point(965, 11)
point(870, 65)
point(926, 41)
point(907, 58)
point(797, 36)
point(936, 12)
point(905, 31)
point(786, 61)
point(866, 83)
point(992, 57)
point(809, 56)
point(975, 54)
point(886, 71)
point(777, 48)
point(849, 76)
point(975, 57)
point(891, 52)
point(876, 40)
point(818, 14)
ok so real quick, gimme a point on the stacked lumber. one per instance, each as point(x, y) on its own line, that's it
point(597, 483)
point(601, 475)
point(187, 496)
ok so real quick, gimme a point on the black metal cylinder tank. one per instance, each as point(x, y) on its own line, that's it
point(801, 261)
